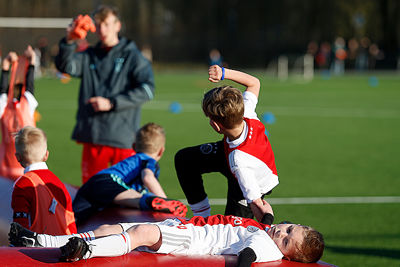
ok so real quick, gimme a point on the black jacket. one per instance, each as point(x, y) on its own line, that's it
point(122, 75)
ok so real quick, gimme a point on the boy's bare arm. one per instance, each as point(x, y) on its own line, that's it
point(30, 54)
point(252, 83)
point(11, 57)
point(260, 207)
point(151, 183)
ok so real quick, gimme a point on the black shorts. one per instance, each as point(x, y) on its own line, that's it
point(97, 193)
point(190, 165)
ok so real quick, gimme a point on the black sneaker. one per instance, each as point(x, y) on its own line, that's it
point(19, 236)
point(74, 250)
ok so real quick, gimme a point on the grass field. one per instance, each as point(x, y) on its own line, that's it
point(336, 137)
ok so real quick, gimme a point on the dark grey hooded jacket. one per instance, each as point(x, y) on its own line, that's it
point(122, 75)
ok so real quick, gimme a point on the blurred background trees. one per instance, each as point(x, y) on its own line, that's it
point(247, 33)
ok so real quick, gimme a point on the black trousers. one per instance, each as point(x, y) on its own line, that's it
point(192, 162)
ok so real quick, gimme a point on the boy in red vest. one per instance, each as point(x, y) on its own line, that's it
point(17, 106)
point(244, 155)
point(40, 201)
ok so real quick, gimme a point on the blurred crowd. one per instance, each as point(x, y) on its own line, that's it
point(355, 54)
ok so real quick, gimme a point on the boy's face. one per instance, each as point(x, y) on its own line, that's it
point(287, 237)
point(108, 29)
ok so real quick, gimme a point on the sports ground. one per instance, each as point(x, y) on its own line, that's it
point(336, 143)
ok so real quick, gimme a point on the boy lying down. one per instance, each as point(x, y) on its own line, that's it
point(214, 235)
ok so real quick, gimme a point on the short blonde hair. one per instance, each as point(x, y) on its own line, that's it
point(31, 144)
point(224, 105)
point(312, 247)
point(150, 138)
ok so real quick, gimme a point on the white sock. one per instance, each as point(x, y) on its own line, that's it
point(51, 241)
point(110, 246)
point(201, 208)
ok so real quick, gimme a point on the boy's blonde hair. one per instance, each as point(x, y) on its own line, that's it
point(224, 105)
point(312, 247)
point(31, 144)
point(150, 138)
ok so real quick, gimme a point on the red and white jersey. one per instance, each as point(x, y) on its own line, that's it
point(250, 157)
point(217, 235)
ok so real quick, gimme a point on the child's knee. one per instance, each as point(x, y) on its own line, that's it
point(107, 229)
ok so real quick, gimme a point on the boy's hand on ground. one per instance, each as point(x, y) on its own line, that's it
point(214, 73)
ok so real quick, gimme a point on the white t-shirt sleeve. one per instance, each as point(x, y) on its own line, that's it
point(254, 176)
point(32, 102)
point(247, 181)
point(250, 102)
point(264, 248)
point(3, 103)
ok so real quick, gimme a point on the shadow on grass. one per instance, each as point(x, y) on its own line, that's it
point(388, 253)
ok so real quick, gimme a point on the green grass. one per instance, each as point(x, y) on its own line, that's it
point(336, 137)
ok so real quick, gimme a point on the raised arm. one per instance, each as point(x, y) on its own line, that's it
point(216, 74)
point(68, 60)
point(7, 61)
point(31, 55)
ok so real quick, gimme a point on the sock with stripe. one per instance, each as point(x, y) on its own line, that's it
point(109, 246)
point(51, 241)
point(201, 208)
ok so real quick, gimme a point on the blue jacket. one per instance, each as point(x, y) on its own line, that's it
point(129, 171)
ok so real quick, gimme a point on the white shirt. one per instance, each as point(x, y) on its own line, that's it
point(31, 102)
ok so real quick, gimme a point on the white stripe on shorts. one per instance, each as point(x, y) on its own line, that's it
point(174, 240)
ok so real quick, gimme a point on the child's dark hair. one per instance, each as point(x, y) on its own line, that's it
point(224, 105)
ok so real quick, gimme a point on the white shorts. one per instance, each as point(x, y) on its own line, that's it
point(169, 222)
point(176, 239)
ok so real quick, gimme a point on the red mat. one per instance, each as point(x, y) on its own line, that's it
point(49, 256)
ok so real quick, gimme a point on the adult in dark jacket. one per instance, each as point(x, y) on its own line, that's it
point(115, 81)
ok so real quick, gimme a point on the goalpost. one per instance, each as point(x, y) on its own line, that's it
point(24, 22)
point(299, 66)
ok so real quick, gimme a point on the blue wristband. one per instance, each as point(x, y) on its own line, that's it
point(223, 73)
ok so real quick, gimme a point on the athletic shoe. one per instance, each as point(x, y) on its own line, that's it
point(19, 236)
point(75, 249)
point(175, 207)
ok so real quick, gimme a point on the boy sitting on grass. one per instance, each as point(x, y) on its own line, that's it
point(214, 235)
point(132, 182)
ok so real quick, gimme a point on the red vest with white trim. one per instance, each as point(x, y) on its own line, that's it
point(50, 216)
point(256, 144)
